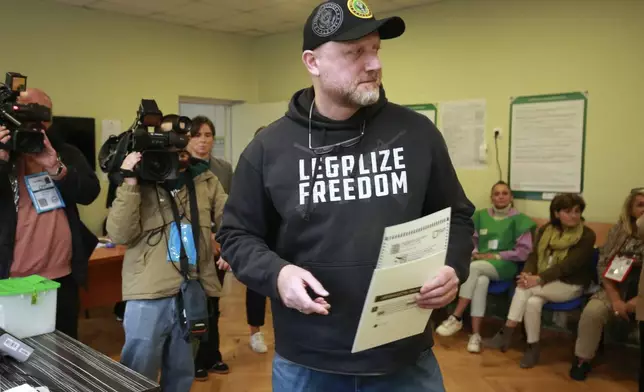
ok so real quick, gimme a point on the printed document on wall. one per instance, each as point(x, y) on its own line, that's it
point(410, 255)
point(463, 126)
point(109, 128)
point(547, 138)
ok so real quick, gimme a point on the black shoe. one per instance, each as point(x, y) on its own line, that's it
point(579, 371)
point(201, 375)
point(219, 368)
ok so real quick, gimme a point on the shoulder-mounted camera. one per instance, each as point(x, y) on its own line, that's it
point(160, 139)
point(24, 121)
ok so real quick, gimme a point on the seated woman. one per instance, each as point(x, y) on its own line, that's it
point(558, 270)
point(502, 237)
point(618, 296)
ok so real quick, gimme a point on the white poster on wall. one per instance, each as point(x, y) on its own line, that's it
point(109, 127)
point(547, 143)
point(463, 126)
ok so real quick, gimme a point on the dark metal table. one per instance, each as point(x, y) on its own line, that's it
point(64, 364)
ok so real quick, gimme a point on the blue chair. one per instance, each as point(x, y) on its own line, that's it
point(499, 286)
point(502, 286)
point(574, 303)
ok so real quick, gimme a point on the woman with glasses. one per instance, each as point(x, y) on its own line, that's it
point(618, 297)
point(557, 270)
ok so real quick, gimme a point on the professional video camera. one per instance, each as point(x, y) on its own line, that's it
point(24, 121)
point(160, 139)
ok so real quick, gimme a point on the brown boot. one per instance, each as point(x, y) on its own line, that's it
point(500, 341)
point(531, 356)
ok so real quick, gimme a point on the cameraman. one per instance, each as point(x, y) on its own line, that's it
point(64, 244)
point(141, 218)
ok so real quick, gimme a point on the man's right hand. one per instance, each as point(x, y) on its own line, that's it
point(128, 164)
point(291, 284)
point(4, 138)
point(620, 309)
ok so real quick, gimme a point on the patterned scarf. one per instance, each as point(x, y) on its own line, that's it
point(554, 244)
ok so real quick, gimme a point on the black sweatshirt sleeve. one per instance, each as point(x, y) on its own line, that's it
point(444, 191)
point(80, 185)
point(249, 222)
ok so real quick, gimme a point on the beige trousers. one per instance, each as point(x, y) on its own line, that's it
point(476, 285)
point(527, 304)
point(591, 324)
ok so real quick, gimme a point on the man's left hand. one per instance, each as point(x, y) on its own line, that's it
point(440, 290)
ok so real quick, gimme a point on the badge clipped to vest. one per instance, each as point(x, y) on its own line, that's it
point(493, 244)
point(618, 268)
point(174, 244)
point(44, 194)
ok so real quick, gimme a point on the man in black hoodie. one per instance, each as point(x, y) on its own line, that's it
point(310, 200)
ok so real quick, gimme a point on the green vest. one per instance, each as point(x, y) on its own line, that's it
point(498, 235)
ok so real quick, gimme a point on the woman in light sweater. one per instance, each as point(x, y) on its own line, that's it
point(502, 237)
point(639, 305)
point(559, 268)
point(617, 299)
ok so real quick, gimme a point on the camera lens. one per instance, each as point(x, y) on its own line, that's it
point(157, 165)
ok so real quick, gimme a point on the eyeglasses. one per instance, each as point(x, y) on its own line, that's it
point(322, 150)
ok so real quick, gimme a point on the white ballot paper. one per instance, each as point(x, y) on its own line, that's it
point(411, 253)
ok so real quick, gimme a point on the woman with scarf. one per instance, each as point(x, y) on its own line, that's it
point(502, 238)
point(558, 269)
point(618, 297)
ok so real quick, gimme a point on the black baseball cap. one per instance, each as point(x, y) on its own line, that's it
point(347, 20)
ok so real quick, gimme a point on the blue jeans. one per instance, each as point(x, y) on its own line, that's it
point(153, 341)
point(424, 376)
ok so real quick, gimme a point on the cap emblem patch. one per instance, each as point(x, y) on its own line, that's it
point(327, 20)
point(359, 8)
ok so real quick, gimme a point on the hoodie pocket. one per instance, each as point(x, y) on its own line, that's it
point(347, 284)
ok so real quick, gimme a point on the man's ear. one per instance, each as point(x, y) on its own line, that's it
point(309, 58)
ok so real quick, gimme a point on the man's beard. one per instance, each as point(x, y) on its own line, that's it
point(353, 96)
point(364, 98)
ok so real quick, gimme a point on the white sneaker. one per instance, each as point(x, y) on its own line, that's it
point(449, 327)
point(474, 345)
point(257, 343)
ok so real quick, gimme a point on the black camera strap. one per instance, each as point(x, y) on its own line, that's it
point(194, 221)
point(192, 301)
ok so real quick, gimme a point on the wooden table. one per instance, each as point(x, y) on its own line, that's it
point(61, 363)
point(103, 278)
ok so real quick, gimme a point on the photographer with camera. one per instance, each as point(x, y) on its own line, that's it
point(162, 211)
point(42, 180)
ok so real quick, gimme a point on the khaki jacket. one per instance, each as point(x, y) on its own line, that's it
point(139, 217)
point(224, 172)
point(639, 309)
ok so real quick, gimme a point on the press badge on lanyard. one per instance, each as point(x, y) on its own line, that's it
point(174, 244)
point(618, 268)
point(43, 192)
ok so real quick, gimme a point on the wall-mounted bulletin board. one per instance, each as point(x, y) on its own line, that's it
point(547, 143)
point(427, 109)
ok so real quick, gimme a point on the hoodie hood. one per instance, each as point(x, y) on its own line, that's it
point(300, 105)
point(325, 131)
